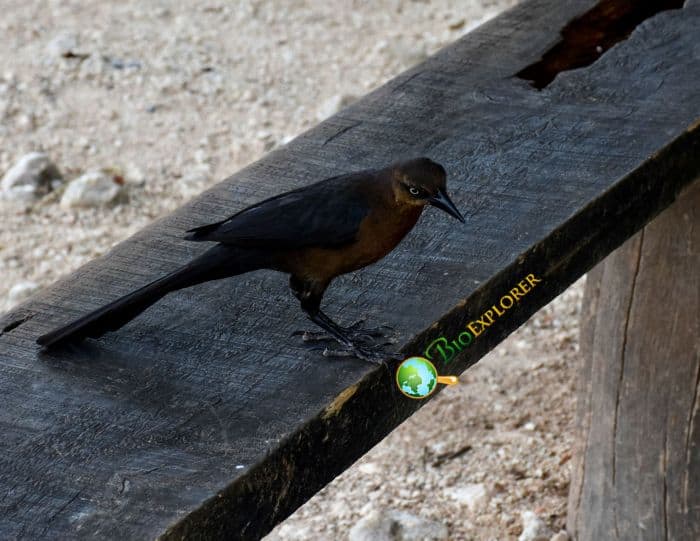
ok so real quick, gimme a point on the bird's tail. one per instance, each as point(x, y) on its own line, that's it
point(214, 264)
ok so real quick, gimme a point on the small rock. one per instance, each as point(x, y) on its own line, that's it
point(534, 528)
point(394, 525)
point(120, 64)
point(30, 177)
point(561, 536)
point(457, 24)
point(409, 53)
point(473, 496)
point(93, 66)
point(21, 291)
point(92, 189)
point(64, 45)
point(369, 468)
point(27, 122)
point(134, 175)
point(334, 104)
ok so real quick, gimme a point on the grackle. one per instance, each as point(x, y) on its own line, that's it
point(314, 234)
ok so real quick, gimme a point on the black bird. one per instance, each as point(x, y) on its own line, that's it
point(314, 234)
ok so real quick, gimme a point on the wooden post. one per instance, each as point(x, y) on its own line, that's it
point(636, 473)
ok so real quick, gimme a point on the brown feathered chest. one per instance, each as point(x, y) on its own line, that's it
point(379, 233)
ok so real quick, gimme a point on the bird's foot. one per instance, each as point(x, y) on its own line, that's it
point(375, 355)
point(355, 333)
point(314, 336)
point(358, 331)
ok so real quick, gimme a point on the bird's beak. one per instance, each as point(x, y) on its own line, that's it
point(443, 202)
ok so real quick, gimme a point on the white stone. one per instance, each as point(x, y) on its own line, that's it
point(394, 525)
point(94, 188)
point(134, 175)
point(29, 178)
point(63, 45)
point(369, 468)
point(534, 528)
point(334, 104)
point(410, 55)
point(474, 496)
point(21, 291)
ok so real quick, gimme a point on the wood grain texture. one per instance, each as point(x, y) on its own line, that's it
point(637, 469)
point(203, 418)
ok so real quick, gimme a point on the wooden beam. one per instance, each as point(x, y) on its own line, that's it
point(636, 473)
point(204, 418)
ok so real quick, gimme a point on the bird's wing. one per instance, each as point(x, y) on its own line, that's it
point(327, 213)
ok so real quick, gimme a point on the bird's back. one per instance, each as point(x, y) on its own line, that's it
point(327, 213)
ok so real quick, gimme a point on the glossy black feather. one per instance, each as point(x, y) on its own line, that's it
point(327, 213)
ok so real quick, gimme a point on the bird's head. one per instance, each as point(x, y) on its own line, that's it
point(421, 182)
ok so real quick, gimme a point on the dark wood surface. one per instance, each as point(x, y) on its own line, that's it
point(636, 474)
point(204, 418)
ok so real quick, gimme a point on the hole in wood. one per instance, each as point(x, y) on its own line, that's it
point(587, 37)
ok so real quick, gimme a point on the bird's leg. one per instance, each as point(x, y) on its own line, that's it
point(331, 327)
point(355, 332)
point(353, 348)
point(309, 295)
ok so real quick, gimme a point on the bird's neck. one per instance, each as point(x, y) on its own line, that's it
point(393, 208)
point(399, 219)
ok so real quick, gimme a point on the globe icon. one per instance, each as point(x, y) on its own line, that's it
point(416, 377)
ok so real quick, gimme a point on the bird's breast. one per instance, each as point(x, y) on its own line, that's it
point(379, 233)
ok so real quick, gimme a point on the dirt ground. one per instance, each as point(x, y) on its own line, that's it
point(176, 96)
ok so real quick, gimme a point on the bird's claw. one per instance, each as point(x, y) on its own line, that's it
point(357, 330)
point(353, 341)
point(373, 355)
point(357, 352)
point(354, 333)
point(314, 336)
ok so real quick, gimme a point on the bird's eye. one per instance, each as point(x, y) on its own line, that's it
point(413, 191)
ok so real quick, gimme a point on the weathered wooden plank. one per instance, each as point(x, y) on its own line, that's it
point(204, 418)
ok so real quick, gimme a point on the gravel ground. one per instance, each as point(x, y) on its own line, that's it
point(171, 97)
